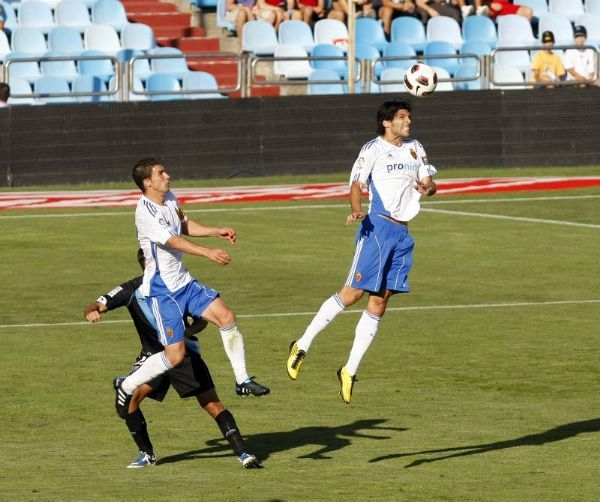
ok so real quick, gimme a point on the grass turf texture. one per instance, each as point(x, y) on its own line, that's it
point(474, 403)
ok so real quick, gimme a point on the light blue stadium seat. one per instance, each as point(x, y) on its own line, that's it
point(201, 81)
point(296, 33)
point(369, 53)
point(480, 28)
point(291, 69)
point(11, 17)
point(141, 66)
point(465, 71)
point(163, 82)
point(517, 58)
point(441, 48)
point(539, 7)
point(560, 26)
point(4, 45)
point(516, 30)
point(444, 29)
point(52, 85)
point(74, 14)
point(507, 74)
point(390, 75)
point(442, 74)
point(399, 49)
point(370, 32)
point(62, 69)
point(89, 83)
point(204, 4)
point(138, 86)
point(324, 75)
point(101, 37)
point(592, 7)
point(331, 31)
point(137, 36)
point(221, 21)
point(174, 65)
point(109, 12)
point(259, 38)
point(409, 30)
point(34, 14)
point(65, 39)
point(569, 8)
point(328, 50)
point(592, 26)
point(101, 68)
point(476, 47)
point(29, 71)
point(29, 40)
point(20, 86)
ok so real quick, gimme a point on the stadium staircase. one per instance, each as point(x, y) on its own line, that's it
point(173, 28)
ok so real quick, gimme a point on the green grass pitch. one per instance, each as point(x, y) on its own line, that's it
point(482, 384)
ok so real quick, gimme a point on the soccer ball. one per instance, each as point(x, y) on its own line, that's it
point(420, 80)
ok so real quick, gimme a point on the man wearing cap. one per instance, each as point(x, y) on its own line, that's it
point(546, 66)
point(580, 63)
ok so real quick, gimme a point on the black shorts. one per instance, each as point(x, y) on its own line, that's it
point(189, 379)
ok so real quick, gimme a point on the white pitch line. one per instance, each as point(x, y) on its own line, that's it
point(351, 311)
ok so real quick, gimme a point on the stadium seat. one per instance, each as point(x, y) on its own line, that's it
point(163, 82)
point(443, 74)
point(390, 75)
point(29, 70)
point(62, 69)
point(592, 7)
point(560, 26)
point(259, 38)
point(100, 37)
point(4, 45)
point(517, 58)
point(444, 29)
point(370, 32)
point(138, 86)
point(201, 81)
point(89, 83)
point(409, 30)
point(539, 7)
point(29, 40)
point(516, 30)
point(101, 68)
point(328, 50)
point(204, 4)
point(329, 88)
point(34, 14)
point(221, 21)
point(46, 85)
point(141, 67)
point(11, 21)
point(51, 3)
point(592, 25)
point(20, 86)
point(109, 12)
point(568, 8)
point(441, 48)
point(477, 48)
point(296, 33)
point(331, 31)
point(480, 28)
point(74, 14)
point(137, 36)
point(399, 50)
point(174, 65)
point(365, 52)
point(465, 71)
point(507, 74)
point(65, 39)
point(291, 69)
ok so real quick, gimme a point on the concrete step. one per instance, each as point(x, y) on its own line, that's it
point(162, 19)
point(198, 44)
point(144, 8)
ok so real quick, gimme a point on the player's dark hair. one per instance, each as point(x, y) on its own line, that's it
point(4, 92)
point(141, 258)
point(388, 110)
point(143, 170)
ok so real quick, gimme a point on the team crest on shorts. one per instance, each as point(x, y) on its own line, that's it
point(170, 332)
point(358, 277)
point(414, 154)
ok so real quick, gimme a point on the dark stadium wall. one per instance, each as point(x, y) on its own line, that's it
point(291, 135)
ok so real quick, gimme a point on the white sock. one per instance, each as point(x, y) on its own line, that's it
point(327, 313)
point(154, 366)
point(366, 329)
point(234, 348)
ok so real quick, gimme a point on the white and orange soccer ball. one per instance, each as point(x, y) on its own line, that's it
point(420, 80)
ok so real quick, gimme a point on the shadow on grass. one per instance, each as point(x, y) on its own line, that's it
point(329, 439)
point(559, 433)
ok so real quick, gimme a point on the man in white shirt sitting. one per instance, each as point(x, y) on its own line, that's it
point(580, 63)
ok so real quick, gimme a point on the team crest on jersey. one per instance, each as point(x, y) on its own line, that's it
point(362, 162)
point(413, 153)
point(170, 332)
point(357, 277)
point(163, 223)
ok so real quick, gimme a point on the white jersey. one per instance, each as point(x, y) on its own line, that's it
point(582, 61)
point(390, 172)
point(156, 224)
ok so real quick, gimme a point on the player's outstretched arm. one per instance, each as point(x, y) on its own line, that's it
point(92, 312)
point(194, 229)
point(219, 256)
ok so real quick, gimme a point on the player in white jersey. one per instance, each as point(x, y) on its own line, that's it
point(169, 290)
point(396, 171)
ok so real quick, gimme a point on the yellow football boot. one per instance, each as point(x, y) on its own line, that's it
point(294, 361)
point(347, 383)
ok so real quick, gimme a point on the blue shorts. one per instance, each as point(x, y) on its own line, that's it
point(383, 256)
point(169, 310)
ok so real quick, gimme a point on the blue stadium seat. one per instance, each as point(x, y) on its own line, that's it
point(137, 36)
point(163, 82)
point(34, 14)
point(592, 25)
point(592, 7)
point(101, 68)
point(441, 48)
point(175, 65)
point(20, 86)
point(466, 71)
point(324, 75)
point(109, 12)
point(331, 31)
point(476, 47)
point(296, 33)
point(370, 32)
point(328, 50)
point(539, 7)
point(398, 50)
point(89, 83)
point(65, 39)
point(101, 37)
point(46, 85)
point(480, 28)
point(568, 8)
point(392, 74)
point(515, 30)
point(409, 30)
point(259, 38)
point(221, 21)
point(29, 71)
point(369, 53)
point(141, 66)
point(62, 69)
point(444, 29)
point(204, 4)
point(291, 69)
point(201, 81)
point(560, 26)
point(74, 14)
point(29, 40)
point(516, 58)
point(507, 74)
point(4, 45)
point(442, 74)
point(138, 86)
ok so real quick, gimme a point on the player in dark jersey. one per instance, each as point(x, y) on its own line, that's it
point(192, 378)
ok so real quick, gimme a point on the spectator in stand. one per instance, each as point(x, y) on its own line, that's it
point(449, 8)
point(311, 10)
point(276, 12)
point(391, 9)
point(3, 17)
point(580, 63)
point(546, 66)
point(239, 12)
point(339, 9)
point(495, 8)
point(4, 94)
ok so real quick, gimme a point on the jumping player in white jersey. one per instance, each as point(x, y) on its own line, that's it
point(396, 171)
point(169, 290)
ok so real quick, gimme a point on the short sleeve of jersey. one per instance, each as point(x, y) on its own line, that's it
point(121, 295)
point(157, 229)
point(425, 168)
point(363, 166)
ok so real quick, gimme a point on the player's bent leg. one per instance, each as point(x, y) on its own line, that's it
point(210, 402)
point(136, 424)
point(231, 433)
